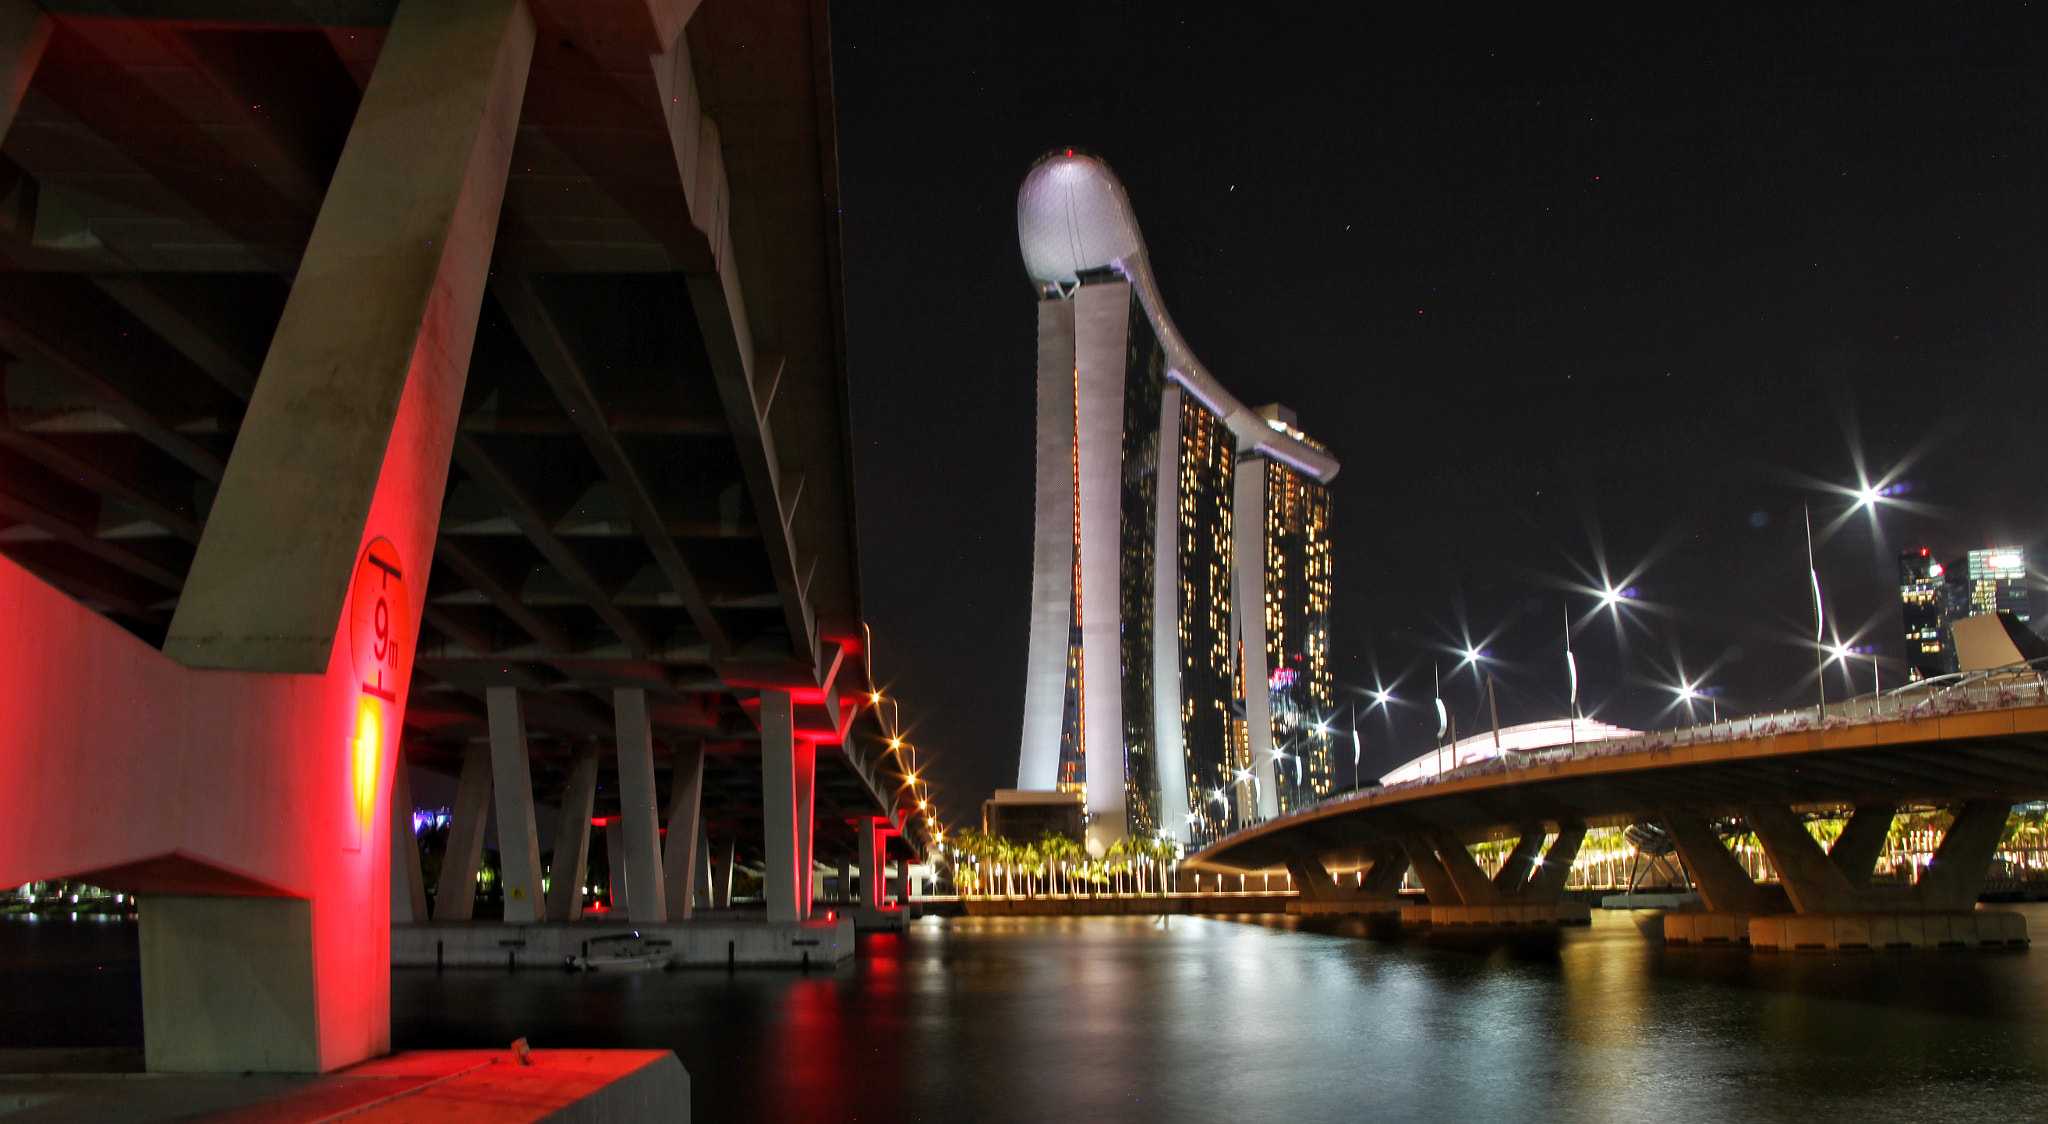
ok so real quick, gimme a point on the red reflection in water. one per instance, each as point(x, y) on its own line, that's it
point(816, 1072)
point(841, 1041)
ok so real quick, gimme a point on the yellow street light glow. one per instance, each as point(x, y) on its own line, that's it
point(874, 696)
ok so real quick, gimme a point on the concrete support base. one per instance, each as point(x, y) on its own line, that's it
point(1348, 907)
point(1133, 905)
point(880, 920)
point(1850, 932)
point(695, 944)
point(478, 1086)
point(227, 985)
point(1530, 916)
point(1706, 928)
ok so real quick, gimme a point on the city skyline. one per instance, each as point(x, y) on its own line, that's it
point(1542, 284)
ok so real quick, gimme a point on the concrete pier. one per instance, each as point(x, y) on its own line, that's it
point(695, 944)
point(1131, 905)
point(1523, 915)
point(1851, 932)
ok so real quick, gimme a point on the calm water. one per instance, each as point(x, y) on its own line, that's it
point(1196, 1020)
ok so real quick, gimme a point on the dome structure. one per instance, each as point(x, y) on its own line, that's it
point(1550, 733)
point(1073, 216)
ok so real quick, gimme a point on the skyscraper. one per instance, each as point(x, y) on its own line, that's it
point(1933, 597)
point(1923, 602)
point(1998, 582)
point(1288, 512)
point(1181, 566)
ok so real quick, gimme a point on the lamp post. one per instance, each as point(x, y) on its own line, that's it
point(1820, 670)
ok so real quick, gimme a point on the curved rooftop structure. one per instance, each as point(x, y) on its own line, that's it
point(1074, 218)
point(1549, 733)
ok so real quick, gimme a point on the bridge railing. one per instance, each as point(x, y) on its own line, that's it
point(2020, 684)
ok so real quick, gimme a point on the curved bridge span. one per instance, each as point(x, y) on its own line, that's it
point(1978, 751)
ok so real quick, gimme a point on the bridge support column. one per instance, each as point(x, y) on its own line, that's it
point(1436, 882)
point(616, 888)
point(1815, 884)
point(680, 852)
point(572, 839)
point(1955, 874)
point(1460, 893)
point(873, 910)
point(1521, 862)
point(408, 883)
point(1384, 878)
point(1720, 880)
point(788, 766)
point(1545, 884)
point(518, 845)
point(1320, 893)
point(1858, 848)
point(455, 894)
point(806, 759)
point(1474, 887)
point(646, 900)
point(704, 865)
point(721, 886)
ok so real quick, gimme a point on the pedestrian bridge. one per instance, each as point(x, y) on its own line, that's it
point(1977, 746)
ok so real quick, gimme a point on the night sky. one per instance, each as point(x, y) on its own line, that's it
point(1555, 291)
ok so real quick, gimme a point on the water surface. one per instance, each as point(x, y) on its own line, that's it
point(1198, 1019)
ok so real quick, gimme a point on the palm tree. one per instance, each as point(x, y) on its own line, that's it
point(1116, 860)
point(975, 845)
point(1033, 861)
point(1068, 853)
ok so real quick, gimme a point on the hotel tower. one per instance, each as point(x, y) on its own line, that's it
point(1181, 550)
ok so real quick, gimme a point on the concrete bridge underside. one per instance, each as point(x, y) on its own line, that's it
point(454, 381)
point(1976, 763)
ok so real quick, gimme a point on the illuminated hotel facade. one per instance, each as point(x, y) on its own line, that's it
point(1181, 550)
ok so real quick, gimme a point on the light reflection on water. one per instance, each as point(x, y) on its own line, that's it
point(1194, 1019)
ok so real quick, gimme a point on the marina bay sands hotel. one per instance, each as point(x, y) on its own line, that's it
point(1179, 673)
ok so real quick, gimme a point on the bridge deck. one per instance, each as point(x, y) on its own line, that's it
point(1998, 752)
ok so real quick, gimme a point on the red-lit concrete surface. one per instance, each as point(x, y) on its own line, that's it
point(247, 808)
point(439, 1086)
point(240, 303)
point(1981, 758)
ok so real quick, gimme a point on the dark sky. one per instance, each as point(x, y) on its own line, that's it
point(1540, 284)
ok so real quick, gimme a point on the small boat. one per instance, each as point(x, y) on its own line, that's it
point(621, 952)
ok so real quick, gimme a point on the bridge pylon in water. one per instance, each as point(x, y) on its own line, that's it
point(1824, 900)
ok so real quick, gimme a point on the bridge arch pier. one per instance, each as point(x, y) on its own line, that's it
point(1528, 891)
point(1824, 900)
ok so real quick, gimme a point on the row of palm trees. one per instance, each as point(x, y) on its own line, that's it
point(1056, 864)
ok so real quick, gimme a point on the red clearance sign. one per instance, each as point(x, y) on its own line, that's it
point(379, 623)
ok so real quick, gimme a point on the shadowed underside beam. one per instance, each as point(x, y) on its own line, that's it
point(382, 311)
